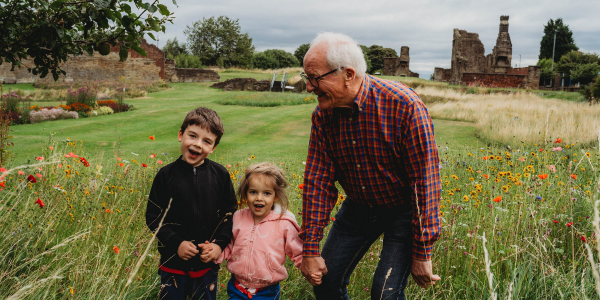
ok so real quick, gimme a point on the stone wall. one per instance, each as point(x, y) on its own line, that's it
point(398, 66)
point(533, 77)
point(97, 67)
point(173, 74)
point(468, 55)
point(251, 84)
point(518, 71)
point(494, 80)
point(442, 75)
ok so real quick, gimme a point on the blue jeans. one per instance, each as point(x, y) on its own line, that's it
point(355, 229)
point(271, 292)
point(175, 286)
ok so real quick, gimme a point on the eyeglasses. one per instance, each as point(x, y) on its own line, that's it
point(314, 81)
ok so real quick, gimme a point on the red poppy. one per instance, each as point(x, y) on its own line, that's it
point(84, 161)
point(2, 184)
point(555, 221)
point(121, 164)
point(486, 176)
point(3, 170)
point(116, 249)
point(583, 239)
point(573, 176)
point(333, 219)
point(152, 138)
point(541, 150)
point(31, 178)
point(301, 186)
point(160, 163)
point(498, 199)
point(144, 165)
point(558, 141)
point(38, 175)
point(543, 176)
point(569, 224)
point(485, 158)
point(40, 202)
point(152, 156)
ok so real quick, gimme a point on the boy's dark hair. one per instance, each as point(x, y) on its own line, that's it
point(205, 118)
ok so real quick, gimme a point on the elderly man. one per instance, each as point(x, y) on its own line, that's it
point(375, 138)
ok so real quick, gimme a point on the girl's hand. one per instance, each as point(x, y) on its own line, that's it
point(209, 252)
point(316, 277)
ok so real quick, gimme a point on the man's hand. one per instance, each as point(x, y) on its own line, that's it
point(187, 250)
point(422, 273)
point(210, 251)
point(313, 269)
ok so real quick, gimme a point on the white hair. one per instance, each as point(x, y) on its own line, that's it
point(342, 52)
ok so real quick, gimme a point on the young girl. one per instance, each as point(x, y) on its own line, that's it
point(263, 234)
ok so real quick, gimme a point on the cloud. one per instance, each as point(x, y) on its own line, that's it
point(425, 26)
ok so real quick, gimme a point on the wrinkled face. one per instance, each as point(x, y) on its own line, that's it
point(196, 144)
point(331, 90)
point(260, 197)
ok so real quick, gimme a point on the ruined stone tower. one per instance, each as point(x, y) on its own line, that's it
point(500, 58)
point(399, 66)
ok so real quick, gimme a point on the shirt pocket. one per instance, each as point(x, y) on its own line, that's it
point(261, 267)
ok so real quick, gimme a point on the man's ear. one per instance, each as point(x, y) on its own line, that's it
point(349, 75)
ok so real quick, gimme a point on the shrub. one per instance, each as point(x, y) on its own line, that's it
point(103, 110)
point(85, 95)
point(109, 103)
point(79, 107)
point(274, 59)
point(51, 114)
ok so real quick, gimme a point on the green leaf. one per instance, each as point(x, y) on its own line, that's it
point(101, 4)
point(151, 35)
point(559, 250)
point(153, 24)
point(175, 2)
point(163, 10)
point(126, 7)
point(126, 21)
point(123, 54)
point(60, 32)
point(139, 50)
point(152, 9)
point(56, 4)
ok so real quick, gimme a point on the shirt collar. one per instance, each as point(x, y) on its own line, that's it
point(360, 99)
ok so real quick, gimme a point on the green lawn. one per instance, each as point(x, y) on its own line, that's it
point(270, 133)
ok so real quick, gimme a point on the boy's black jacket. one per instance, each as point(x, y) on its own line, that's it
point(202, 197)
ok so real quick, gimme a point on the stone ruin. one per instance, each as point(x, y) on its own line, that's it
point(98, 67)
point(470, 66)
point(398, 66)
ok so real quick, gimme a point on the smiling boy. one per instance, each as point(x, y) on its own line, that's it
point(201, 198)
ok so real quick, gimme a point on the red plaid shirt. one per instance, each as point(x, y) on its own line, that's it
point(381, 152)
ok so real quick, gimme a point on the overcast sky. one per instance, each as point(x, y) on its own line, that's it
point(426, 26)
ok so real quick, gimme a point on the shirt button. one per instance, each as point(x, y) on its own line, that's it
point(350, 119)
point(363, 187)
point(360, 109)
point(358, 166)
point(354, 142)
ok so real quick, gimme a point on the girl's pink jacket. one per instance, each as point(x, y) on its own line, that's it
point(257, 253)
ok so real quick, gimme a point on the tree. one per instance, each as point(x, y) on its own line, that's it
point(274, 59)
point(263, 61)
point(585, 73)
point(301, 52)
point(547, 71)
point(564, 40)
point(365, 51)
point(218, 41)
point(50, 31)
point(571, 60)
point(377, 53)
point(173, 48)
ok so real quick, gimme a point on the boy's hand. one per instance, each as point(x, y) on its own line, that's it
point(316, 277)
point(187, 250)
point(210, 251)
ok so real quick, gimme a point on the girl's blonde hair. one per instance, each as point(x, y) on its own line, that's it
point(275, 177)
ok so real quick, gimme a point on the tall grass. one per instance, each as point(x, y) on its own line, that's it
point(266, 99)
point(516, 117)
point(89, 238)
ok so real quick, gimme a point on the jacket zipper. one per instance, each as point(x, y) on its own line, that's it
point(195, 210)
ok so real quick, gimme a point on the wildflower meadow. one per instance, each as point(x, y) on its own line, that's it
point(520, 220)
